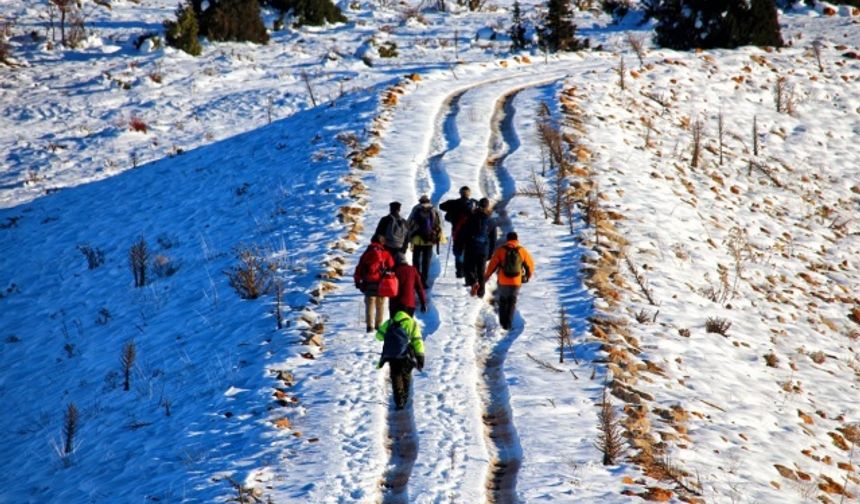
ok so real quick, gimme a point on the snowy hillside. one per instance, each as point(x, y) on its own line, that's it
point(705, 261)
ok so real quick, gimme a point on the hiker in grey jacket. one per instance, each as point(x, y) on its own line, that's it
point(395, 230)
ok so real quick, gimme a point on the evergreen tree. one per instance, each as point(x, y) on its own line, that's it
point(237, 20)
point(182, 33)
point(690, 24)
point(561, 34)
point(518, 31)
point(310, 12)
point(317, 12)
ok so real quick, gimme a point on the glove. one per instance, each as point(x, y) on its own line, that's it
point(358, 285)
point(419, 362)
point(423, 308)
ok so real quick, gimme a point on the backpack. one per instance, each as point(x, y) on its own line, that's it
point(389, 286)
point(512, 264)
point(427, 229)
point(396, 234)
point(373, 266)
point(482, 230)
point(395, 345)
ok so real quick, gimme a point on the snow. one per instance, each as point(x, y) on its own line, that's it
point(235, 155)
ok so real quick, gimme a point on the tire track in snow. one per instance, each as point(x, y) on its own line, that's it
point(402, 439)
point(493, 345)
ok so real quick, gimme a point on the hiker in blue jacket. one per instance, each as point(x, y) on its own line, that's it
point(480, 241)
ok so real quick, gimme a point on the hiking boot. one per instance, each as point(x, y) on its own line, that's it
point(370, 329)
point(474, 290)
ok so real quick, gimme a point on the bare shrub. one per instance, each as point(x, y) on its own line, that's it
point(721, 133)
point(621, 70)
point(137, 124)
point(637, 44)
point(307, 80)
point(817, 46)
point(610, 439)
point(5, 50)
point(70, 429)
point(279, 295)
point(252, 277)
point(77, 29)
point(64, 7)
point(645, 317)
point(129, 353)
point(755, 135)
point(641, 281)
point(698, 128)
point(412, 12)
point(784, 96)
point(537, 189)
point(563, 333)
point(684, 332)
point(717, 325)
point(138, 256)
point(95, 256)
point(771, 359)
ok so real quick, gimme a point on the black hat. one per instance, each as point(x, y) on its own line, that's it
point(424, 199)
point(464, 189)
point(394, 205)
point(484, 203)
point(512, 236)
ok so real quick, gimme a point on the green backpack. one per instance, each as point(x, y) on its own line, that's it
point(512, 264)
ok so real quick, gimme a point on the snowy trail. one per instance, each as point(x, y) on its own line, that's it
point(460, 370)
point(402, 439)
point(493, 344)
point(436, 450)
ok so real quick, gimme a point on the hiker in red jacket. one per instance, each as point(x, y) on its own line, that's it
point(409, 284)
point(368, 273)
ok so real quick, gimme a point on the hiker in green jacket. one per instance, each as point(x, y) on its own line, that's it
point(402, 349)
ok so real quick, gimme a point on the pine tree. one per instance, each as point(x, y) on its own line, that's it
point(182, 33)
point(318, 12)
point(561, 34)
point(310, 12)
point(237, 20)
point(518, 31)
point(690, 24)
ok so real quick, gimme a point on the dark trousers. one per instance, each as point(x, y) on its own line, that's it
point(458, 247)
point(401, 377)
point(507, 305)
point(421, 256)
point(474, 264)
point(394, 307)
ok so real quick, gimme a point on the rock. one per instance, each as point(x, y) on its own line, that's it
point(283, 423)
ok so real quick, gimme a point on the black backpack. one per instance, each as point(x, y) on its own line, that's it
point(482, 230)
point(512, 264)
point(395, 345)
point(426, 222)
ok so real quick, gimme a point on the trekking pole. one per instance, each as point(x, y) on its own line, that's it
point(447, 257)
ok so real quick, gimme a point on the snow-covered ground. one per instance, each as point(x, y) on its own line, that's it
point(235, 155)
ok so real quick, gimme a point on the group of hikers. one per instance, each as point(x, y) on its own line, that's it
point(384, 273)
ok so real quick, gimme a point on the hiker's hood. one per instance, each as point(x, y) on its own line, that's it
point(401, 316)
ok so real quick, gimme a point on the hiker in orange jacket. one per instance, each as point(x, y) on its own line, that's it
point(515, 266)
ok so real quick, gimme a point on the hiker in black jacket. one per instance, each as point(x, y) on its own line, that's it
point(457, 212)
point(395, 230)
point(479, 234)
